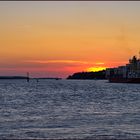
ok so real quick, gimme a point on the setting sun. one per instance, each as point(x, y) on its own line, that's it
point(95, 69)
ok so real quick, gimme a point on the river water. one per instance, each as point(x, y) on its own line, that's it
point(64, 109)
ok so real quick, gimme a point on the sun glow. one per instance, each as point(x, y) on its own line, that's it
point(95, 69)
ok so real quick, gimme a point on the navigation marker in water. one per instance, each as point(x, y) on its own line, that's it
point(28, 77)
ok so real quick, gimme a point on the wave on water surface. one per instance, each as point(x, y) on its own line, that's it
point(64, 109)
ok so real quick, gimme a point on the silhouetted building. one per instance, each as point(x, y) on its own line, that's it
point(125, 73)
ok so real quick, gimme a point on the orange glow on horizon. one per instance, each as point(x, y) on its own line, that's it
point(99, 63)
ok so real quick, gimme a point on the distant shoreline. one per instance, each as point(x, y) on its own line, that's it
point(100, 75)
point(24, 77)
point(48, 78)
point(13, 77)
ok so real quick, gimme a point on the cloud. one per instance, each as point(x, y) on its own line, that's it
point(70, 62)
point(55, 61)
point(99, 63)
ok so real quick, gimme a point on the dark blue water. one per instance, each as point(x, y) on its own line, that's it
point(69, 109)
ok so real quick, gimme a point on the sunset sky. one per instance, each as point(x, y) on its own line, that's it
point(56, 39)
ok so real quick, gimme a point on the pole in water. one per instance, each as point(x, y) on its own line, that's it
point(28, 77)
point(37, 80)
